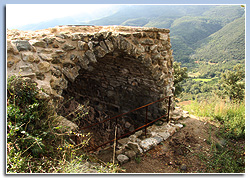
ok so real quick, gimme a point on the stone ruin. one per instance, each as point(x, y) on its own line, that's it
point(114, 68)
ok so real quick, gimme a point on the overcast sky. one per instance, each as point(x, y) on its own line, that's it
point(23, 14)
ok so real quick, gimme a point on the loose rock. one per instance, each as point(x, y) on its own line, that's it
point(122, 158)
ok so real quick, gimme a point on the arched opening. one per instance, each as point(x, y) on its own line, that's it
point(115, 84)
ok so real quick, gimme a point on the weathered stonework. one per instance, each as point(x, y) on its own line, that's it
point(115, 68)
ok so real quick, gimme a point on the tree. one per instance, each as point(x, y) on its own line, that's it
point(179, 75)
point(233, 83)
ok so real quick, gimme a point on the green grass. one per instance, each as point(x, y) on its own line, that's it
point(229, 157)
point(230, 115)
point(202, 79)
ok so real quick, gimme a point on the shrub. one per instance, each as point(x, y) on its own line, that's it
point(35, 144)
point(28, 123)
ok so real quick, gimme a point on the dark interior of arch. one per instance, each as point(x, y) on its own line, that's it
point(113, 85)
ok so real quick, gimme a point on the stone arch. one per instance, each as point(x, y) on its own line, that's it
point(117, 76)
point(136, 62)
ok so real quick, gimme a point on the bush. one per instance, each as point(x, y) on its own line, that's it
point(35, 144)
point(28, 124)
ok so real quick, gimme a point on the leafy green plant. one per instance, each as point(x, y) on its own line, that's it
point(137, 159)
point(233, 83)
point(179, 75)
point(35, 142)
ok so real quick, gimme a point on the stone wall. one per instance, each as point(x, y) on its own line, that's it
point(115, 68)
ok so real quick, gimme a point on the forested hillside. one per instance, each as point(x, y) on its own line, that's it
point(193, 29)
point(227, 44)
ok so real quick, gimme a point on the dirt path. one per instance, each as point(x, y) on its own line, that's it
point(179, 153)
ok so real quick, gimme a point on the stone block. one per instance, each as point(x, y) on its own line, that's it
point(135, 147)
point(22, 45)
point(83, 61)
point(103, 45)
point(99, 51)
point(58, 83)
point(148, 143)
point(90, 45)
point(130, 154)
point(49, 40)
point(38, 43)
point(75, 37)
point(159, 139)
point(70, 73)
point(44, 67)
point(91, 56)
point(122, 158)
point(26, 68)
point(133, 138)
point(138, 133)
point(11, 47)
point(68, 47)
point(178, 126)
point(65, 125)
point(162, 36)
point(29, 57)
point(109, 45)
point(164, 135)
point(82, 46)
point(172, 130)
point(123, 141)
point(45, 57)
point(147, 42)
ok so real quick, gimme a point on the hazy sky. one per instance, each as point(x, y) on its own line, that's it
point(22, 14)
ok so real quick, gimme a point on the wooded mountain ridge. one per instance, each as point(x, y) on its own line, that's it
point(208, 33)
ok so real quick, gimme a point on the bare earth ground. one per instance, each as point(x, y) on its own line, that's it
point(179, 153)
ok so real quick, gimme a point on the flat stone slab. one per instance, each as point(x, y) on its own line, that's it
point(159, 139)
point(164, 135)
point(148, 143)
point(135, 145)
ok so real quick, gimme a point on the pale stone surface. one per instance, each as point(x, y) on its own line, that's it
point(148, 143)
point(38, 43)
point(65, 125)
point(122, 158)
point(45, 57)
point(44, 67)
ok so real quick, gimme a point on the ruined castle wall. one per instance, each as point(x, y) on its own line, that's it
point(116, 68)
